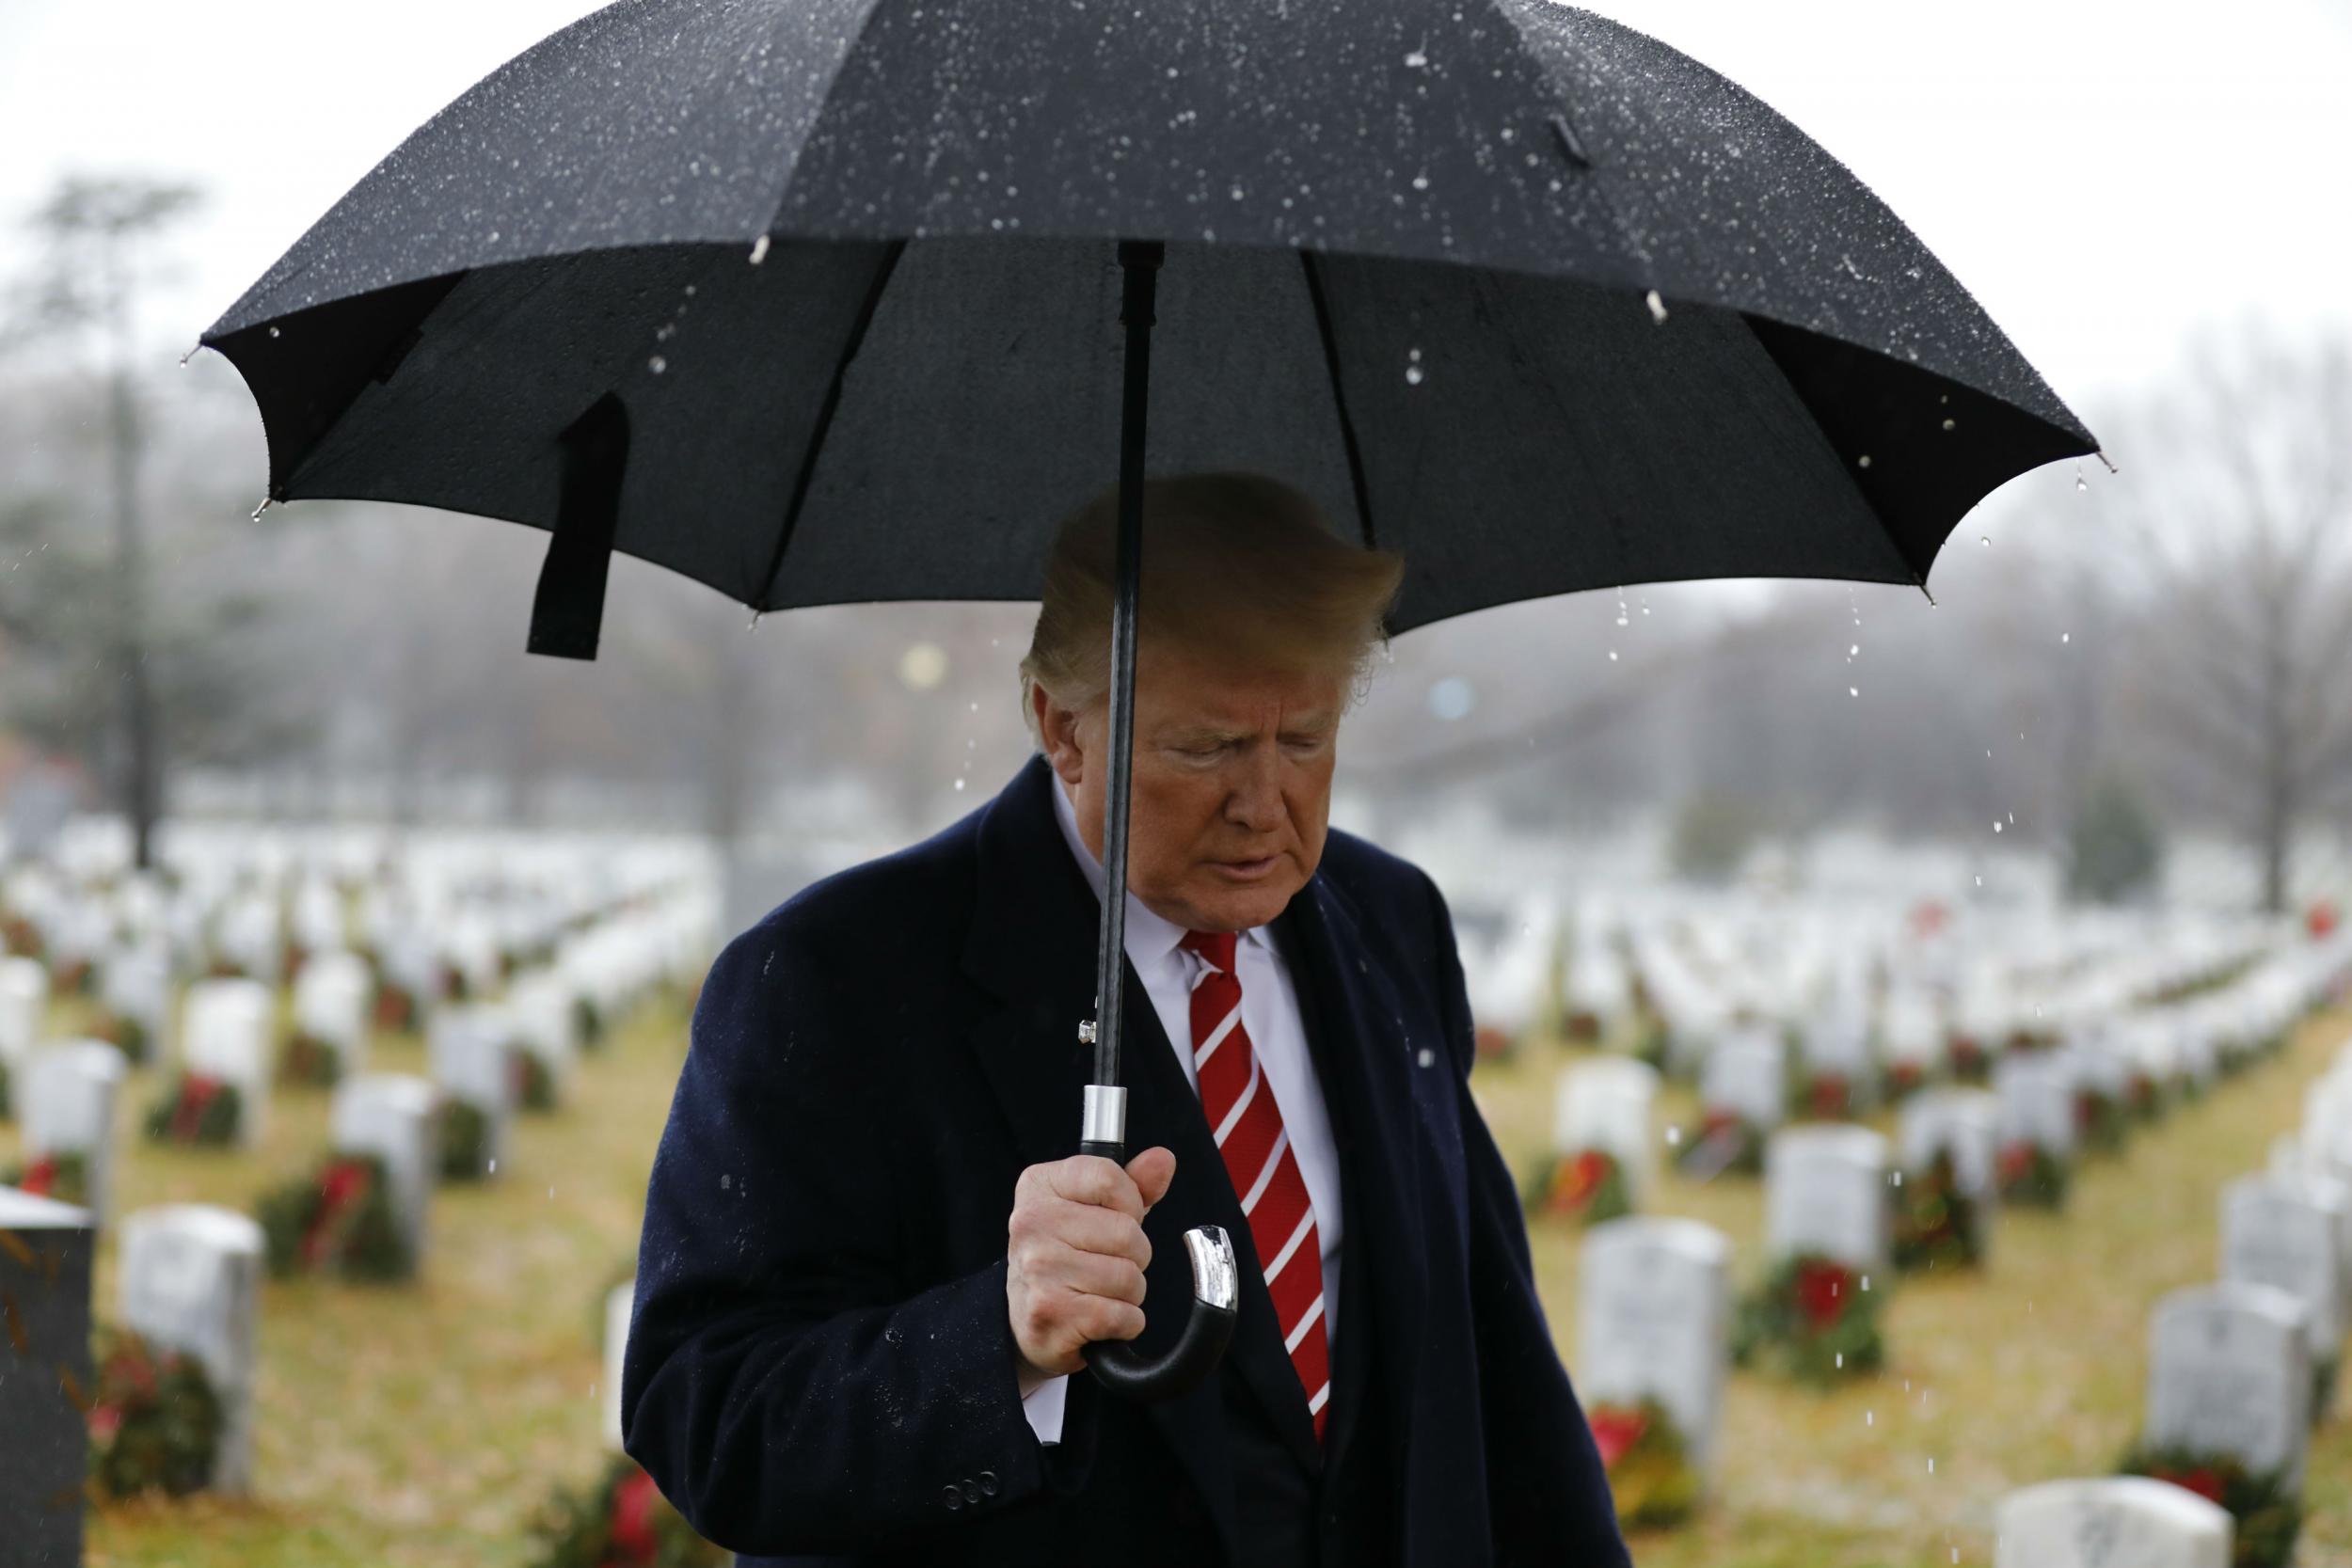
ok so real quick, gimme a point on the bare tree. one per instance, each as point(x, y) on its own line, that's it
point(99, 238)
point(2234, 518)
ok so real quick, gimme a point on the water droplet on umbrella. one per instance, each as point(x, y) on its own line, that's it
point(1863, 461)
point(760, 250)
point(274, 332)
point(754, 625)
point(1657, 307)
point(1416, 59)
point(657, 364)
point(190, 354)
point(1951, 424)
point(1985, 539)
point(1421, 182)
point(266, 504)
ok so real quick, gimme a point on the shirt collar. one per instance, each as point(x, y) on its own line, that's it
point(1150, 937)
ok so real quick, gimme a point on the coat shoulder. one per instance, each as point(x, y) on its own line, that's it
point(1374, 878)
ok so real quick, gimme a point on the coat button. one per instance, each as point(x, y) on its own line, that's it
point(988, 1482)
point(953, 1496)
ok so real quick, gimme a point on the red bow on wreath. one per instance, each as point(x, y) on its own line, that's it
point(1823, 1291)
point(342, 1187)
point(1615, 1429)
point(40, 1176)
point(635, 1540)
point(196, 1092)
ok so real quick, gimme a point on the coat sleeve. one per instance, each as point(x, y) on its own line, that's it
point(1546, 1490)
point(782, 1384)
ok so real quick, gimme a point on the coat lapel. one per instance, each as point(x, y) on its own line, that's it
point(1363, 1066)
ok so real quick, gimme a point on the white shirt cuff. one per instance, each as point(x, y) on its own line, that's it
point(1044, 1406)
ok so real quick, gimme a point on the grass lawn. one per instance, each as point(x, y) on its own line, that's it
point(425, 1425)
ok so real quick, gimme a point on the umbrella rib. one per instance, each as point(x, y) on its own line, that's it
point(1314, 270)
point(825, 411)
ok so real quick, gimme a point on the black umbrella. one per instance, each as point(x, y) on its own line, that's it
point(810, 300)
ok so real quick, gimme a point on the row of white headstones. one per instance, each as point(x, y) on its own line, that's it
point(189, 1275)
point(2231, 1363)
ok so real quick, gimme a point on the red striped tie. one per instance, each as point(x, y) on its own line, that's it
point(1239, 1105)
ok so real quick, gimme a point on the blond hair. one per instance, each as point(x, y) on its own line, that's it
point(1237, 563)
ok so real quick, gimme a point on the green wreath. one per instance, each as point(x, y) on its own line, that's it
point(1589, 1185)
point(62, 1175)
point(465, 1141)
point(1936, 1222)
point(2268, 1512)
point(623, 1521)
point(195, 1110)
point(1650, 1474)
point(339, 1222)
point(2031, 1174)
point(155, 1421)
point(1815, 1318)
point(310, 1061)
point(2101, 1121)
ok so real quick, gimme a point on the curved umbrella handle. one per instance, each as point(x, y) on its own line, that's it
point(1119, 1367)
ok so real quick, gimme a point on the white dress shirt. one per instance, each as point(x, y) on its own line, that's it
point(1270, 1013)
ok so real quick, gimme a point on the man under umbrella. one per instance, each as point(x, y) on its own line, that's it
point(868, 1269)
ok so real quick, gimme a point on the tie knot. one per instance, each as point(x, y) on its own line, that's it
point(1216, 946)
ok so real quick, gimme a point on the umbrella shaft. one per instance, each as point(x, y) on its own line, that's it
point(1139, 260)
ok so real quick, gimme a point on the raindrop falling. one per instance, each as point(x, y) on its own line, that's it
point(1612, 656)
point(2066, 637)
point(760, 250)
point(1997, 827)
point(1657, 307)
point(1853, 691)
point(1851, 650)
point(959, 787)
point(2081, 483)
point(1621, 615)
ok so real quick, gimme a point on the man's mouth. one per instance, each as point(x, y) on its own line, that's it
point(1247, 870)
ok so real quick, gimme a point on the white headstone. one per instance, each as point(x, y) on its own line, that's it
point(470, 1049)
point(1826, 1193)
point(134, 982)
point(331, 1000)
point(617, 1307)
point(24, 998)
point(2036, 1092)
point(390, 1115)
point(1746, 1075)
point(1654, 1322)
point(1964, 1123)
point(1605, 1105)
point(65, 1104)
point(2278, 1233)
point(225, 1033)
point(2116, 1522)
point(191, 1279)
point(539, 1011)
point(2228, 1373)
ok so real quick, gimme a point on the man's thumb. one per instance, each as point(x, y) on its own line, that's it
point(1152, 1171)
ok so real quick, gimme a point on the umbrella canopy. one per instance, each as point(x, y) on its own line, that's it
point(829, 300)
point(1532, 299)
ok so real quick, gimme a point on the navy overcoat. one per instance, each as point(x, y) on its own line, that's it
point(820, 1364)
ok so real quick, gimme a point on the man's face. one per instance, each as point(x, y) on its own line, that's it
point(1232, 783)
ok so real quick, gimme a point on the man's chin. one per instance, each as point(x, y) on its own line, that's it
point(1226, 902)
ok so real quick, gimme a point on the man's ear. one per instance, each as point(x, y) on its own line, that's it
point(1058, 733)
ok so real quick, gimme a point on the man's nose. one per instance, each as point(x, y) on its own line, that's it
point(1256, 802)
